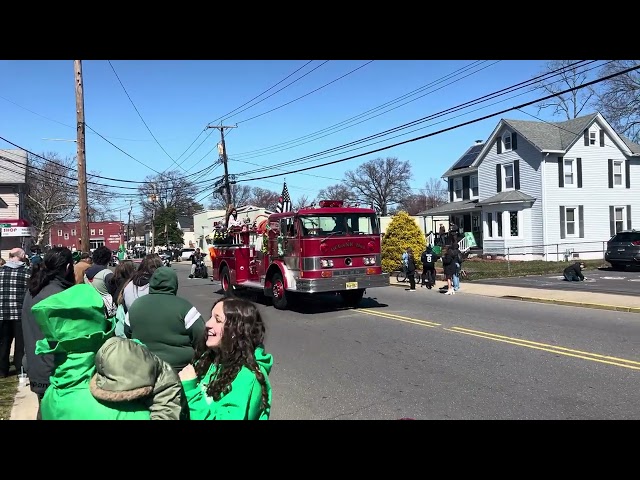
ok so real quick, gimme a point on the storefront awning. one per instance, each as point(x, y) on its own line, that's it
point(16, 227)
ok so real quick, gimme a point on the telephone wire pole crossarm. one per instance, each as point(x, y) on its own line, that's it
point(223, 154)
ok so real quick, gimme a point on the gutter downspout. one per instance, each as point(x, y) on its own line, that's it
point(544, 206)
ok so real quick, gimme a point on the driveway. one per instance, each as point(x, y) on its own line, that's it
point(600, 281)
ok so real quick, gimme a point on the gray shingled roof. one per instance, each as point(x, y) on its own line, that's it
point(451, 207)
point(552, 136)
point(13, 166)
point(185, 221)
point(634, 147)
point(510, 196)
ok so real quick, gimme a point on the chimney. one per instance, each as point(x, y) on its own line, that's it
point(478, 142)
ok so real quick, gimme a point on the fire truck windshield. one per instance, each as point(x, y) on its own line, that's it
point(337, 225)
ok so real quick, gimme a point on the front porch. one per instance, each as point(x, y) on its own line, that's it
point(467, 216)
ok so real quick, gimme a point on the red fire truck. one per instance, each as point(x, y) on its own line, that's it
point(331, 248)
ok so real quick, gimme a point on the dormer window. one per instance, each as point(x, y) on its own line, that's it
point(506, 141)
point(507, 175)
point(592, 138)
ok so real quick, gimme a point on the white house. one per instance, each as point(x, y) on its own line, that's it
point(188, 235)
point(540, 190)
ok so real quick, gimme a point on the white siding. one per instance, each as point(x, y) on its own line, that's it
point(595, 196)
point(11, 199)
point(530, 184)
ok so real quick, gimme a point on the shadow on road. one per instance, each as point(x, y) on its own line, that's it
point(308, 304)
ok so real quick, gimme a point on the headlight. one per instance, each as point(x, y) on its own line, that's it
point(326, 263)
point(369, 260)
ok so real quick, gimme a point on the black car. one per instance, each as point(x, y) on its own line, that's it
point(623, 250)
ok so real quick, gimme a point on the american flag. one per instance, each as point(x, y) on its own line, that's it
point(284, 202)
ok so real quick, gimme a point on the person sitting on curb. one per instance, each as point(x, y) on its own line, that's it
point(573, 273)
point(98, 376)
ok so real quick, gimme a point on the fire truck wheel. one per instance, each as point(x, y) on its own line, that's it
point(352, 298)
point(279, 295)
point(225, 281)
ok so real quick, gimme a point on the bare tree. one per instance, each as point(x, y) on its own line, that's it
point(435, 192)
point(571, 104)
point(382, 182)
point(51, 192)
point(338, 191)
point(171, 190)
point(413, 204)
point(618, 98)
point(99, 200)
point(261, 197)
point(240, 195)
point(303, 201)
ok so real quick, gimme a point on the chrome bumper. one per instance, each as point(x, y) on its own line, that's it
point(339, 284)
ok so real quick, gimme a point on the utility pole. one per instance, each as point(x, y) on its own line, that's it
point(129, 225)
point(153, 198)
point(82, 170)
point(223, 155)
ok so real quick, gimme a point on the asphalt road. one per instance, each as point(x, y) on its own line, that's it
point(600, 281)
point(425, 355)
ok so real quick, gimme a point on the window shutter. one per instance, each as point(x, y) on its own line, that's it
point(450, 189)
point(562, 225)
point(602, 138)
point(586, 138)
point(514, 141)
point(627, 171)
point(498, 178)
point(610, 173)
point(629, 227)
point(499, 145)
point(516, 173)
point(581, 220)
point(579, 171)
point(612, 220)
point(561, 171)
point(465, 187)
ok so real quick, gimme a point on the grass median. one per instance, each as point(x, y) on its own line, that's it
point(8, 390)
point(479, 269)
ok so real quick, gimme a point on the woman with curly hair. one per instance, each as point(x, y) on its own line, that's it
point(229, 376)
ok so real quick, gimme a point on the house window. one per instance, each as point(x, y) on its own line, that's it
point(66, 236)
point(568, 172)
point(489, 224)
point(457, 188)
point(499, 223)
point(473, 182)
point(59, 233)
point(617, 173)
point(507, 175)
point(506, 141)
point(100, 231)
point(592, 138)
point(93, 231)
point(475, 223)
point(570, 220)
point(73, 232)
point(513, 223)
point(619, 219)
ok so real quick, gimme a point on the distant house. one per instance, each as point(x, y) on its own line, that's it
point(185, 224)
point(546, 190)
point(17, 231)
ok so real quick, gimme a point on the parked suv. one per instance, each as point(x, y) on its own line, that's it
point(623, 250)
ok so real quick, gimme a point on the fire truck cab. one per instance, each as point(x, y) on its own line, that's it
point(329, 248)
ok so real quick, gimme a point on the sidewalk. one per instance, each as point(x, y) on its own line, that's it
point(602, 301)
point(25, 403)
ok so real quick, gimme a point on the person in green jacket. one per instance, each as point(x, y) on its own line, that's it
point(229, 376)
point(98, 376)
point(170, 326)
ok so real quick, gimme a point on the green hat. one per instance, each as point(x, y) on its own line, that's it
point(72, 321)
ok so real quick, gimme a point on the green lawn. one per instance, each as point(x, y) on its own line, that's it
point(8, 389)
point(478, 269)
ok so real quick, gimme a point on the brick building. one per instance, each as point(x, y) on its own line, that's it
point(67, 234)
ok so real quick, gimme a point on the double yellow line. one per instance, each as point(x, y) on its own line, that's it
point(569, 352)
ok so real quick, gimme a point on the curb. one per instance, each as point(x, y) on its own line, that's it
point(598, 306)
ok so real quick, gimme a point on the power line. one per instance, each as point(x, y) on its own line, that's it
point(226, 115)
point(138, 112)
point(311, 157)
point(449, 128)
point(306, 94)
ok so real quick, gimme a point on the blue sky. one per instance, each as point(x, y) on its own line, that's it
point(177, 99)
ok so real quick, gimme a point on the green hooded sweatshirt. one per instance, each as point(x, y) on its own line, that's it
point(80, 337)
point(244, 400)
point(167, 324)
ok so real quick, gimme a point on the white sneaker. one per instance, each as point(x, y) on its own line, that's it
point(450, 292)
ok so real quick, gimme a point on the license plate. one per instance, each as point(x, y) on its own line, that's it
point(621, 249)
point(352, 285)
